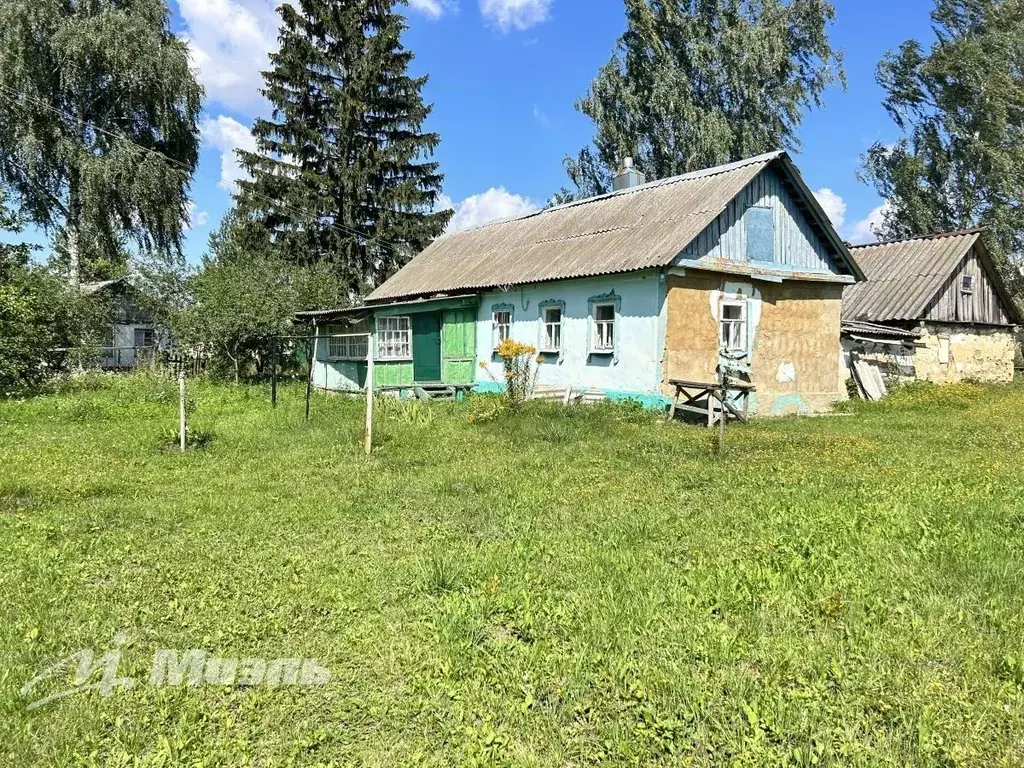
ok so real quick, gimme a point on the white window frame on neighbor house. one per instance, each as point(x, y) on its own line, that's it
point(394, 338)
point(732, 331)
point(501, 325)
point(342, 346)
point(551, 330)
point(604, 329)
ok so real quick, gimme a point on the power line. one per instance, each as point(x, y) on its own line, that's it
point(15, 98)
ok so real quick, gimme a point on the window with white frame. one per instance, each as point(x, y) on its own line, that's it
point(501, 325)
point(551, 332)
point(733, 326)
point(967, 286)
point(394, 338)
point(348, 343)
point(604, 327)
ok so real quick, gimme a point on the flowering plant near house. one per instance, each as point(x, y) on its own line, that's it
point(520, 375)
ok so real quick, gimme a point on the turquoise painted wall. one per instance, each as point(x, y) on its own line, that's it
point(634, 369)
point(796, 245)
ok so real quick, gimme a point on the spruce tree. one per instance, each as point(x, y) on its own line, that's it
point(341, 174)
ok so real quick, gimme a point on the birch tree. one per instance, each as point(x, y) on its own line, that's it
point(99, 136)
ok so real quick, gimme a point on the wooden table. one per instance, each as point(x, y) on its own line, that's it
point(694, 391)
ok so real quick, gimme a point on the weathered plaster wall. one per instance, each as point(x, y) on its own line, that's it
point(793, 328)
point(975, 352)
point(634, 368)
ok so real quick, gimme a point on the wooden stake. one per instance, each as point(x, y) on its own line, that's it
point(721, 415)
point(368, 430)
point(181, 407)
point(309, 375)
point(273, 374)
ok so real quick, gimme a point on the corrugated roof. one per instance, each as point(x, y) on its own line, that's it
point(903, 276)
point(638, 228)
point(858, 328)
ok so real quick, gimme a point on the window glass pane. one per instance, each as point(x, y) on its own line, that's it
point(393, 337)
point(605, 312)
point(760, 226)
point(552, 331)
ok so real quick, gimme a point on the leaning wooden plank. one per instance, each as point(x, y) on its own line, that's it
point(869, 380)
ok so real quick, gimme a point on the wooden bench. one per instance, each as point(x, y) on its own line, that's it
point(695, 391)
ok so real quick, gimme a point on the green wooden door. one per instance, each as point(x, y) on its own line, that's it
point(426, 347)
point(459, 346)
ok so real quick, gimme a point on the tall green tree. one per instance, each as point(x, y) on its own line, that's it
point(38, 315)
point(244, 295)
point(342, 174)
point(697, 83)
point(97, 95)
point(960, 107)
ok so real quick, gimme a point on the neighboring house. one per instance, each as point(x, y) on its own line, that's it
point(933, 308)
point(132, 337)
point(621, 293)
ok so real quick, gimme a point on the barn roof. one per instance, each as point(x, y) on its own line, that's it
point(638, 228)
point(905, 276)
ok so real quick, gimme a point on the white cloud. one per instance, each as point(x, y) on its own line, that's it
point(833, 205)
point(507, 15)
point(432, 9)
point(864, 230)
point(226, 135)
point(197, 219)
point(230, 42)
point(476, 210)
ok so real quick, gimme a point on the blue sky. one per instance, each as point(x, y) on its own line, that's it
point(503, 78)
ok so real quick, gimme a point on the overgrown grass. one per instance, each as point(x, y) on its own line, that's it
point(559, 587)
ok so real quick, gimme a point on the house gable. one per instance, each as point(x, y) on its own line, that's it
point(980, 301)
point(768, 225)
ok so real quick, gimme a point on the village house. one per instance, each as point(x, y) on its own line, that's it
point(933, 309)
point(131, 339)
point(736, 265)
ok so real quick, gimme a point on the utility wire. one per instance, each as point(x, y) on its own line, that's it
point(15, 98)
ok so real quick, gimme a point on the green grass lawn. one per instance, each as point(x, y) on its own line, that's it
point(572, 587)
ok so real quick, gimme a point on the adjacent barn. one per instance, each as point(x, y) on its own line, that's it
point(621, 294)
point(932, 308)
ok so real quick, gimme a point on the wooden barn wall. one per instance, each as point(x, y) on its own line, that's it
point(797, 245)
point(983, 305)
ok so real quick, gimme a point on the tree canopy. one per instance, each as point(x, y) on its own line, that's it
point(38, 315)
point(99, 139)
point(245, 295)
point(960, 107)
point(342, 175)
point(697, 83)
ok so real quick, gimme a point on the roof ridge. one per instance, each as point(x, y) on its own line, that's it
point(935, 236)
point(767, 157)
